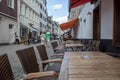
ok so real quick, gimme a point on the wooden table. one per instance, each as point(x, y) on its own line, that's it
point(77, 46)
point(89, 66)
point(59, 47)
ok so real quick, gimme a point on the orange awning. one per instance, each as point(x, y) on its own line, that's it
point(69, 24)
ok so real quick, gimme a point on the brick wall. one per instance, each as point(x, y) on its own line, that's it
point(7, 10)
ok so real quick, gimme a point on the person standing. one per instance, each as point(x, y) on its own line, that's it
point(29, 38)
point(42, 36)
point(47, 36)
point(16, 39)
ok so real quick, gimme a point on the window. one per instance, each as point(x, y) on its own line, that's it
point(41, 15)
point(33, 1)
point(21, 8)
point(40, 5)
point(40, 24)
point(0, 0)
point(11, 3)
point(116, 33)
point(26, 11)
point(10, 26)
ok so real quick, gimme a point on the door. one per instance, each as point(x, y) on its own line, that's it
point(96, 23)
point(11, 34)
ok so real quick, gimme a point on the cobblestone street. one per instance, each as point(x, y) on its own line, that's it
point(14, 61)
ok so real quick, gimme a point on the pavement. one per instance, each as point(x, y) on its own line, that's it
point(14, 61)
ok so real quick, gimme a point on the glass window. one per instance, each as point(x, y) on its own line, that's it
point(26, 11)
point(40, 15)
point(11, 3)
point(20, 7)
point(40, 5)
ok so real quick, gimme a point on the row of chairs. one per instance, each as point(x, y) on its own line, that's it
point(30, 65)
point(93, 45)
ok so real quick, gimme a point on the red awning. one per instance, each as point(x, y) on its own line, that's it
point(75, 3)
point(69, 24)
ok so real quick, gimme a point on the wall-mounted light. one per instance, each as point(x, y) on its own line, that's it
point(80, 19)
point(84, 20)
point(89, 13)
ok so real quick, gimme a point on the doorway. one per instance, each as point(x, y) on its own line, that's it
point(11, 34)
point(96, 23)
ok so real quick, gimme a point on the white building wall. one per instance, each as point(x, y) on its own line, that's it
point(107, 19)
point(85, 26)
point(5, 35)
point(29, 13)
point(43, 14)
point(85, 29)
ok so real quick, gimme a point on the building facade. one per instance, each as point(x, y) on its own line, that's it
point(28, 17)
point(43, 15)
point(49, 23)
point(99, 20)
point(8, 21)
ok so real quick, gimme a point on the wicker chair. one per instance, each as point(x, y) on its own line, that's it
point(45, 60)
point(29, 63)
point(5, 68)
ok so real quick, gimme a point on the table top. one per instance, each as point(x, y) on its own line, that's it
point(74, 45)
point(59, 47)
point(89, 66)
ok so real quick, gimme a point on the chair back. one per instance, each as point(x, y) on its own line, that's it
point(43, 54)
point(97, 45)
point(90, 48)
point(28, 60)
point(54, 44)
point(5, 68)
point(89, 43)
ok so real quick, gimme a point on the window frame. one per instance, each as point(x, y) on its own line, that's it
point(11, 3)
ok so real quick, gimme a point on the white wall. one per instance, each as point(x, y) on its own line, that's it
point(85, 28)
point(106, 19)
point(4, 30)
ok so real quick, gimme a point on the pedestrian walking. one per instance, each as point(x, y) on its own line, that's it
point(42, 36)
point(29, 38)
point(16, 39)
point(47, 36)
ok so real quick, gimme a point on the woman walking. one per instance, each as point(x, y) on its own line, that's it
point(47, 36)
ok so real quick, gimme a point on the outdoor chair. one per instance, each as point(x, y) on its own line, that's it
point(30, 66)
point(46, 61)
point(57, 48)
point(5, 68)
point(87, 46)
point(94, 46)
point(90, 47)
